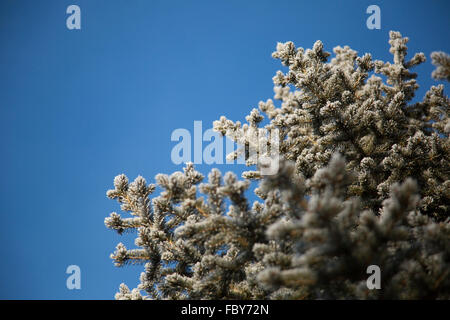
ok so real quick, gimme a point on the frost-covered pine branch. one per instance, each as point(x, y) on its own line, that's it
point(363, 180)
point(442, 62)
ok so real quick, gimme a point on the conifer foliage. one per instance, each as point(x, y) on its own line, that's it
point(363, 180)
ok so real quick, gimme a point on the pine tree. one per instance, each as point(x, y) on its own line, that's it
point(363, 180)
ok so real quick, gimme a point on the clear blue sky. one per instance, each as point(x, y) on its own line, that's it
point(79, 107)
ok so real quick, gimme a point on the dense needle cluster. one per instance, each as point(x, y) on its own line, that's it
point(363, 180)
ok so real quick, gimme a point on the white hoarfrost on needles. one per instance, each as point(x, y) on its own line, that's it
point(363, 181)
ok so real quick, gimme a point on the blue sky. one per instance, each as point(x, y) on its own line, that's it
point(78, 107)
